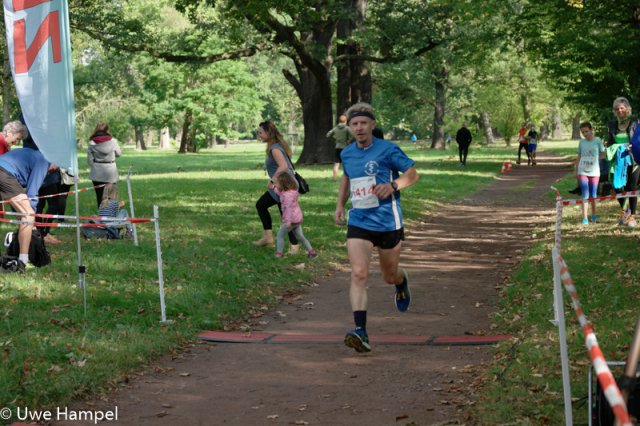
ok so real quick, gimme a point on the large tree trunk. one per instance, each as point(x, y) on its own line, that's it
point(526, 108)
point(149, 141)
point(556, 124)
point(139, 137)
point(314, 91)
point(354, 76)
point(575, 127)
point(186, 133)
point(437, 140)
point(486, 127)
point(544, 131)
point(344, 30)
point(165, 140)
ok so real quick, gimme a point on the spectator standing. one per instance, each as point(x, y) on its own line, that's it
point(342, 136)
point(463, 139)
point(590, 150)
point(102, 152)
point(623, 172)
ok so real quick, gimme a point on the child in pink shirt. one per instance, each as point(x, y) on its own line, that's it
point(285, 185)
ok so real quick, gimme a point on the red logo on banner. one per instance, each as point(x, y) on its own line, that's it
point(23, 57)
point(26, 4)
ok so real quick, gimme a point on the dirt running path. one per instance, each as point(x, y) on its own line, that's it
point(456, 258)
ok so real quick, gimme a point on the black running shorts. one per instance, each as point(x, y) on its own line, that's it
point(383, 240)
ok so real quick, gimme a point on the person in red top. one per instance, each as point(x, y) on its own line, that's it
point(12, 132)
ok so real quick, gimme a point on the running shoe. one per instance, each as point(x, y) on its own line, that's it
point(358, 339)
point(631, 222)
point(585, 221)
point(624, 217)
point(403, 295)
point(594, 218)
point(312, 254)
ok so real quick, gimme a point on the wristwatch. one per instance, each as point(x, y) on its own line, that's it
point(394, 186)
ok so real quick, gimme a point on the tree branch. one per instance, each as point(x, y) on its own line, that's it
point(170, 57)
point(389, 58)
point(293, 81)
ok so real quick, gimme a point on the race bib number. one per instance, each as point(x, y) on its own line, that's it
point(362, 196)
point(586, 165)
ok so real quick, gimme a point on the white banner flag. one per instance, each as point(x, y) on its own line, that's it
point(40, 55)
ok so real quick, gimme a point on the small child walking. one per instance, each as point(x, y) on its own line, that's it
point(285, 185)
point(590, 150)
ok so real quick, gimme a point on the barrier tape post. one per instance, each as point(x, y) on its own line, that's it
point(82, 269)
point(133, 212)
point(562, 337)
point(607, 382)
point(163, 313)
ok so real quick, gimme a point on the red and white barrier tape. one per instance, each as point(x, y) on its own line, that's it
point(60, 216)
point(608, 383)
point(111, 222)
point(61, 193)
point(626, 194)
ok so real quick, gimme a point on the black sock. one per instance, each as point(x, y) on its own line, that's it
point(404, 281)
point(360, 318)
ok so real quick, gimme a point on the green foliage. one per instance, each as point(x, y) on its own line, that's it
point(588, 47)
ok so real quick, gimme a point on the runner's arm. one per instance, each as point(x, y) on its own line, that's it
point(343, 196)
point(408, 178)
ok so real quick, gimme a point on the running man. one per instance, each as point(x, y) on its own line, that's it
point(372, 181)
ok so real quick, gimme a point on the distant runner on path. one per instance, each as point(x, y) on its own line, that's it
point(372, 181)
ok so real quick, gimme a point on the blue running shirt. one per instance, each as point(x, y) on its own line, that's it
point(377, 164)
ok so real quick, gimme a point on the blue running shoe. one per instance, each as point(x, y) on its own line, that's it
point(403, 295)
point(594, 218)
point(358, 339)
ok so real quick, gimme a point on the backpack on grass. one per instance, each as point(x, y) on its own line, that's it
point(38, 254)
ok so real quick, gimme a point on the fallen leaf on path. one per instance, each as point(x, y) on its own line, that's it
point(272, 416)
point(162, 414)
point(402, 417)
point(185, 374)
point(301, 422)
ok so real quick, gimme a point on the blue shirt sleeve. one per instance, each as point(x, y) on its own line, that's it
point(399, 160)
point(36, 177)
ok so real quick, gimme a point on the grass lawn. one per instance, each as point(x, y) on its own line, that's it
point(214, 277)
point(524, 384)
